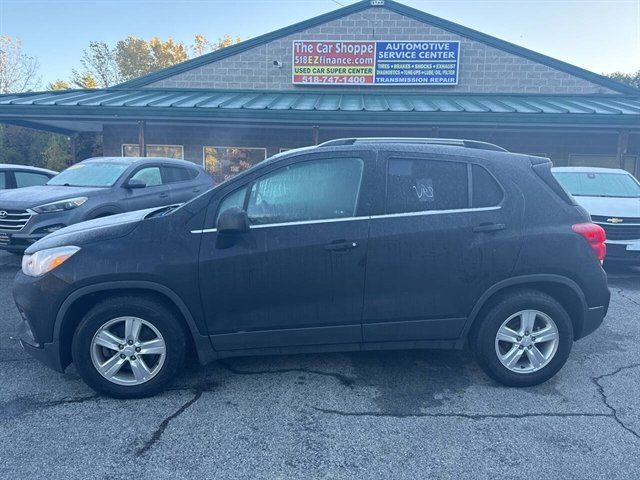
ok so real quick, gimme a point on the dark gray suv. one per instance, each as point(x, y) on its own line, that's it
point(356, 244)
point(93, 188)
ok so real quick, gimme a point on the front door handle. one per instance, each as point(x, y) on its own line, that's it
point(489, 227)
point(340, 246)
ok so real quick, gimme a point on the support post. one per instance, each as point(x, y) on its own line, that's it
point(142, 144)
point(623, 144)
point(73, 143)
point(316, 135)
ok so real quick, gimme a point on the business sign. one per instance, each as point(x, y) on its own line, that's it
point(375, 63)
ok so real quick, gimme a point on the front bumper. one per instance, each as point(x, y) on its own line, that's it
point(47, 353)
point(38, 226)
point(18, 242)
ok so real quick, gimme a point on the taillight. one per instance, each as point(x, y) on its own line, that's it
point(594, 235)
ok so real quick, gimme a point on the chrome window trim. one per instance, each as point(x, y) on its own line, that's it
point(372, 217)
point(437, 212)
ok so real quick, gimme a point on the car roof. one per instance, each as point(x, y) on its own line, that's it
point(141, 161)
point(426, 145)
point(589, 170)
point(11, 166)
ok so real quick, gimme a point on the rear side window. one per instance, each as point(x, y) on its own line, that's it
point(29, 179)
point(486, 191)
point(418, 185)
point(178, 174)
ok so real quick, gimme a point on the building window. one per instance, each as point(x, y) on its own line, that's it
point(167, 151)
point(225, 162)
point(605, 161)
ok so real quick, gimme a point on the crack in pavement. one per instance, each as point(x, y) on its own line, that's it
point(468, 416)
point(605, 400)
point(623, 295)
point(13, 360)
point(157, 434)
point(198, 390)
point(23, 405)
point(343, 379)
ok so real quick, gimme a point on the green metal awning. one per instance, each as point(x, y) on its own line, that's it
point(320, 107)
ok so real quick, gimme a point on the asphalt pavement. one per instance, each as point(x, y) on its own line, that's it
point(410, 414)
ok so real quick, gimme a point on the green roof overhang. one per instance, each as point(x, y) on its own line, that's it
point(310, 107)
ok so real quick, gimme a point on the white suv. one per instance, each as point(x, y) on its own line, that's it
point(612, 197)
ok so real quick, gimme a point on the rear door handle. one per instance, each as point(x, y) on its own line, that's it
point(489, 227)
point(340, 246)
point(196, 190)
point(164, 195)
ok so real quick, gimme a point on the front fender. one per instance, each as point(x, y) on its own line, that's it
point(201, 340)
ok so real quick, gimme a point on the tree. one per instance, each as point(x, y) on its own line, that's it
point(104, 65)
point(631, 79)
point(99, 67)
point(18, 71)
point(202, 45)
point(84, 80)
point(58, 85)
point(136, 57)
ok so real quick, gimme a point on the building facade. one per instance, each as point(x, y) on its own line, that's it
point(375, 68)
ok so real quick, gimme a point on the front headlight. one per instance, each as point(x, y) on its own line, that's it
point(60, 205)
point(39, 263)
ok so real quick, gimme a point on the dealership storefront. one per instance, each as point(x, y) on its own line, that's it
point(375, 68)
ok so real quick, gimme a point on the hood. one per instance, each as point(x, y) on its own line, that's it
point(610, 206)
point(104, 228)
point(29, 197)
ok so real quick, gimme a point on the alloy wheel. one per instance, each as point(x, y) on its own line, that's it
point(128, 351)
point(527, 341)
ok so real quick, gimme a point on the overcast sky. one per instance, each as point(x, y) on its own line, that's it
point(602, 36)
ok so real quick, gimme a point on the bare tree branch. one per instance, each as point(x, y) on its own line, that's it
point(18, 71)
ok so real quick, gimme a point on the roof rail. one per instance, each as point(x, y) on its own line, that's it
point(415, 140)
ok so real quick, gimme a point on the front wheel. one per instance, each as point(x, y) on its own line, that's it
point(128, 347)
point(524, 339)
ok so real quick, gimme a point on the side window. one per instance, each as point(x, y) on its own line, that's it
point(235, 199)
point(417, 185)
point(150, 175)
point(176, 174)
point(3, 180)
point(486, 191)
point(313, 190)
point(29, 179)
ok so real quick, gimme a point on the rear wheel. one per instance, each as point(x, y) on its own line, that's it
point(129, 347)
point(524, 339)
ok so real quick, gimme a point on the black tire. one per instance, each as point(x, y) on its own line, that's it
point(153, 312)
point(483, 338)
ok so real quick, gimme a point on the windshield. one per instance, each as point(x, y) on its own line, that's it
point(89, 175)
point(596, 184)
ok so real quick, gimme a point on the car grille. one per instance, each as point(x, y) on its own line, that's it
point(628, 229)
point(13, 220)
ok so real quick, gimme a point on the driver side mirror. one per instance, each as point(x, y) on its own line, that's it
point(233, 220)
point(135, 183)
